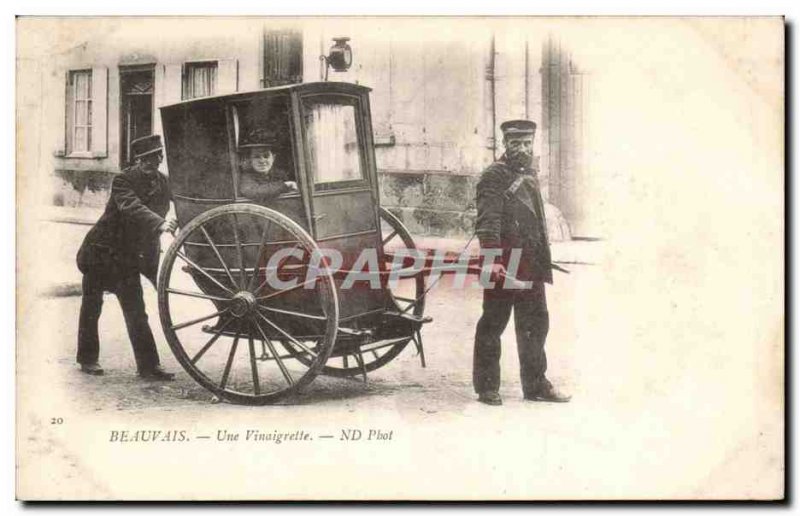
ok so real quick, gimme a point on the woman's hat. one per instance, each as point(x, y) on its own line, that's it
point(258, 138)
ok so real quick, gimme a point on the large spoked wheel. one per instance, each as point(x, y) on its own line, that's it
point(238, 306)
point(408, 297)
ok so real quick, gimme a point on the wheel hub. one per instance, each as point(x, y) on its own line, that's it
point(243, 304)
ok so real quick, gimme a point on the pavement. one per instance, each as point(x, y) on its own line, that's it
point(654, 393)
point(444, 386)
point(68, 226)
point(65, 229)
point(430, 412)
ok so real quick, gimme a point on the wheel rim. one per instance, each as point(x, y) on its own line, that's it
point(219, 267)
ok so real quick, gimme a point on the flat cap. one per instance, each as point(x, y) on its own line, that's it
point(517, 127)
point(146, 145)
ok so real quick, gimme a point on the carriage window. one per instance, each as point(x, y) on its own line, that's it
point(263, 147)
point(332, 138)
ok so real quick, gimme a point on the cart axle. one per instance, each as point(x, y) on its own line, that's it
point(243, 303)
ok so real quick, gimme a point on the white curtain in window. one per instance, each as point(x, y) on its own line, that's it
point(200, 80)
point(82, 114)
point(333, 142)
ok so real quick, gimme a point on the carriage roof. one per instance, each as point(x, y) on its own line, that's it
point(306, 87)
point(202, 136)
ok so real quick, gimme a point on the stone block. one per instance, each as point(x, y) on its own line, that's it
point(82, 188)
point(448, 192)
point(433, 160)
point(406, 216)
point(391, 158)
point(417, 157)
point(444, 223)
point(403, 189)
point(452, 158)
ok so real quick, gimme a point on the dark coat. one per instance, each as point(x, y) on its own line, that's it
point(515, 221)
point(263, 187)
point(125, 240)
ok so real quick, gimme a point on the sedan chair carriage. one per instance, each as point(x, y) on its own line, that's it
point(244, 337)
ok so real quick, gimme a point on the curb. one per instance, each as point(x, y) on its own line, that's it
point(62, 290)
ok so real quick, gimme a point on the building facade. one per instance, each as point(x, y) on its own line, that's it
point(438, 98)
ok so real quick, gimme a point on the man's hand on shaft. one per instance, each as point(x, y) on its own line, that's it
point(497, 271)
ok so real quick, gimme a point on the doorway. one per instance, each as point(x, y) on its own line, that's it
point(136, 107)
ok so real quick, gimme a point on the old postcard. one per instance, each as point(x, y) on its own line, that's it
point(376, 258)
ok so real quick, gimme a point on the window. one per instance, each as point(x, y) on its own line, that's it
point(282, 58)
point(332, 139)
point(264, 120)
point(79, 112)
point(85, 115)
point(136, 92)
point(199, 79)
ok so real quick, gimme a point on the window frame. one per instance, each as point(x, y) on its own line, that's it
point(125, 71)
point(189, 66)
point(234, 109)
point(71, 115)
point(348, 184)
point(271, 71)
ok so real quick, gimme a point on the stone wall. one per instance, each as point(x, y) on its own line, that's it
point(443, 205)
point(431, 204)
point(81, 188)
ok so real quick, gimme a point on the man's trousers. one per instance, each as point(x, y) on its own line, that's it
point(129, 293)
point(531, 321)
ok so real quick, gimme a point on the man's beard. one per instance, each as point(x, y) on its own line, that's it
point(519, 159)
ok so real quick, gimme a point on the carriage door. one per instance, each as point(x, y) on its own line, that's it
point(136, 107)
point(342, 194)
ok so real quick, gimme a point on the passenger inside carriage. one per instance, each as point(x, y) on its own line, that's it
point(261, 178)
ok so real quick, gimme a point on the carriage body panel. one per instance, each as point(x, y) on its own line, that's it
point(325, 143)
point(244, 251)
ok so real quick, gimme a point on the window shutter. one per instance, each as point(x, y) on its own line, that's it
point(158, 98)
point(60, 95)
point(99, 112)
point(283, 58)
point(173, 83)
point(227, 76)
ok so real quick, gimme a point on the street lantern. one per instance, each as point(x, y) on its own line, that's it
point(340, 56)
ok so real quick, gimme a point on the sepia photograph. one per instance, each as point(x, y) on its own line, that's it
point(400, 258)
